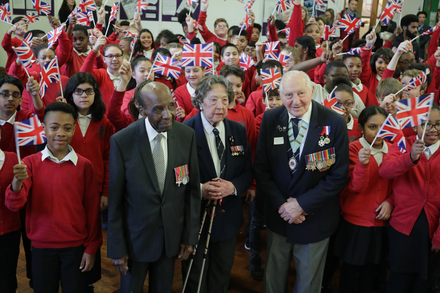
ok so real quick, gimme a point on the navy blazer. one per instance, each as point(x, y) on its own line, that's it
point(317, 192)
point(229, 216)
point(141, 221)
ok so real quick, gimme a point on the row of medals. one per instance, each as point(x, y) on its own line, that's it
point(311, 166)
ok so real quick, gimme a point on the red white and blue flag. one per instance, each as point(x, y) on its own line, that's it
point(356, 51)
point(198, 55)
point(82, 18)
point(41, 7)
point(283, 5)
point(246, 22)
point(49, 74)
point(141, 5)
point(418, 80)
point(166, 66)
point(272, 49)
point(29, 132)
point(349, 23)
point(53, 35)
point(328, 32)
point(183, 40)
point(271, 78)
point(133, 43)
point(246, 61)
point(191, 2)
point(28, 39)
point(90, 16)
point(5, 13)
point(25, 54)
point(320, 2)
point(249, 5)
point(431, 30)
point(31, 18)
point(86, 5)
point(398, 5)
point(391, 130)
point(332, 103)
point(414, 111)
point(287, 32)
point(387, 13)
point(282, 58)
point(114, 12)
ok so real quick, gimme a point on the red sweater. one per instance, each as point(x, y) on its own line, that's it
point(296, 25)
point(258, 121)
point(367, 97)
point(207, 35)
point(367, 77)
point(354, 134)
point(74, 62)
point(416, 186)
point(9, 220)
point(62, 204)
point(7, 142)
point(183, 98)
point(7, 44)
point(95, 146)
point(114, 113)
point(127, 98)
point(365, 191)
point(255, 102)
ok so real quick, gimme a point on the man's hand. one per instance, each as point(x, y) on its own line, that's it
point(104, 203)
point(327, 57)
point(292, 212)
point(250, 195)
point(185, 251)
point(417, 149)
point(121, 264)
point(221, 187)
point(87, 262)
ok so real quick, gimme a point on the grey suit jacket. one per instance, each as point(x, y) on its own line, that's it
point(142, 222)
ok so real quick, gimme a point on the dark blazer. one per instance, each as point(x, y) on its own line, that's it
point(317, 192)
point(108, 10)
point(141, 221)
point(229, 216)
point(423, 39)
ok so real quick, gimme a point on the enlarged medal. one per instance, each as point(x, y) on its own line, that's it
point(321, 141)
point(325, 131)
point(293, 163)
point(327, 140)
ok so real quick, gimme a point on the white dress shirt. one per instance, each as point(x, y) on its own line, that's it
point(190, 90)
point(71, 156)
point(210, 138)
point(305, 118)
point(429, 151)
point(376, 153)
point(11, 120)
point(82, 53)
point(350, 124)
point(152, 133)
point(84, 122)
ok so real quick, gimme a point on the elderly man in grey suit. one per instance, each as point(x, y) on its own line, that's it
point(154, 192)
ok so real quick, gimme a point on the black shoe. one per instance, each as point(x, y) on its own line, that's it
point(31, 284)
point(90, 289)
point(246, 245)
point(256, 272)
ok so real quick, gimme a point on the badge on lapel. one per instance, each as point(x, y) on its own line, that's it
point(322, 160)
point(182, 174)
point(324, 140)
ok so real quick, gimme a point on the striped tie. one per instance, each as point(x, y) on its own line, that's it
point(293, 135)
point(220, 151)
point(159, 162)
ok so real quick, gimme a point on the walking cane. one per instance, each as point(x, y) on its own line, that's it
point(195, 247)
point(207, 245)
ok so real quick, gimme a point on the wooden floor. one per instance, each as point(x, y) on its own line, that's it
point(241, 282)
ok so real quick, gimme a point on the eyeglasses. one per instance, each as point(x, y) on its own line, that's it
point(221, 26)
point(347, 104)
point(88, 91)
point(6, 95)
point(430, 126)
point(249, 50)
point(117, 56)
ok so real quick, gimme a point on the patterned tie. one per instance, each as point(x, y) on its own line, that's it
point(293, 131)
point(159, 162)
point(220, 151)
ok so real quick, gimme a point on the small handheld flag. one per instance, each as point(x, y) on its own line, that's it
point(198, 55)
point(166, 66)
point(271, 78)
point(331, 102)
point(31, 18)
point(391, 130)
point(28, 132)
point(412, 112)
point(246, 61)
point(49, 74)
point(41, 7)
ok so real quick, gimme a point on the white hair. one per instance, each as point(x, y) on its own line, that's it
point(295, 75)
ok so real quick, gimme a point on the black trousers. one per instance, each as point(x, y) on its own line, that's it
point(50, 265)
point(9, 250)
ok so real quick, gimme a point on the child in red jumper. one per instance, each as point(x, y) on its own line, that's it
point(19, 27)
point(366, 206)
point(344, 95)
point(62, 211)
point(185, 93)
point(9, 227)
point(414, 225)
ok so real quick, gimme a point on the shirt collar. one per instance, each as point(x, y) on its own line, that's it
point(71, 156)
point(112, 77)
point(378, 77)
point(191, 91)
point(84, 116)
point(305, 117)
point(351, 123)
point(208, 127)
point(2, 156)
point(434, 147)
point(82, 53)
point(374, 151)
point(359, 87)
point(11, 119)
point(151, 132)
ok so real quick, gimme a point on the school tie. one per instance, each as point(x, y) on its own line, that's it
point(293, 135)
point(220, 151)
point(159, 162)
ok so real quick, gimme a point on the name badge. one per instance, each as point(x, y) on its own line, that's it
point(278, 140)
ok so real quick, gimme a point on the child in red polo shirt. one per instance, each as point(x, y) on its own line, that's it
point(414, 225)
point(62, 211)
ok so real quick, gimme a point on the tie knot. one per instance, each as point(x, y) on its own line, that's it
point(215, 131)
point(295, 121)
point(159, 137)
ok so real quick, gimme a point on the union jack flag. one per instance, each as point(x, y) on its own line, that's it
point(5, 13)
point(412, 112)
point(25, 54)
point(328, 32)
point(241, 1)
point(29, 132)
point(198, 55)
point(129, 34)
point(397, 4)
point(246, 61)
point(133, 43)
point(349, 23)
point(287, 32)
point(391, 130)
point(283, 59)
point(431, 30)
point(271, 78)
point(90, 16)
point(356, 51)
point(196, 25)
point(114, 12)
point(191, 2)
point(82, 19)
point(272, 49)
point(387, 13)
point(166, 66)
point(283, 5)
point(41, 7)
point(210, 71)
point(320, 2)
point(74, 11)
point(418, 80)
point(31, 18)
point(28, 39)
point(332, 103)
point(86, 5)
point(249, 5)
point(142, 5)
point(49, 74)
point(246, 22)
point(183, 40)
point(53, 35)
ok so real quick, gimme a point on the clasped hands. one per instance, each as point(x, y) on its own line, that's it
point(217, 189)
point(292, 212)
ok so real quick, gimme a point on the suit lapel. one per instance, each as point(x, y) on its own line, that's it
point(280, 130)
point(203, 148)
point(145, 150)
point(172, 149)
point(228, 134)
